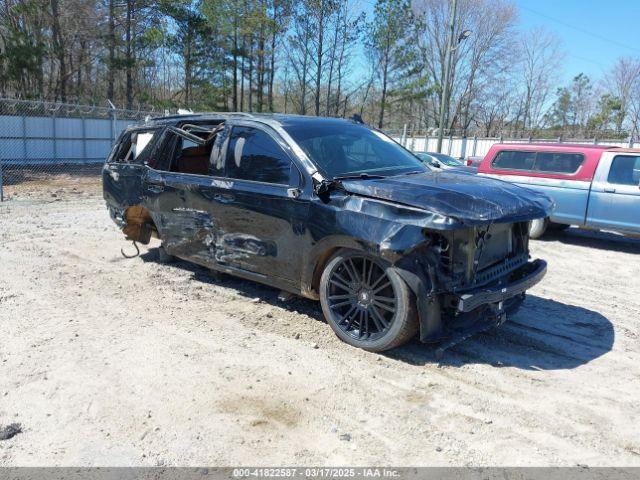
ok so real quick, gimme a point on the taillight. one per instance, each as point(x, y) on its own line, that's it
point(468, 162)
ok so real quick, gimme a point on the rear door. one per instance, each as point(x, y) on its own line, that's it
point(169, 183)
point(615, 193)
point(123, 177)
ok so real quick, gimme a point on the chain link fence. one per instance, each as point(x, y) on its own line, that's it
point(49, 150)
point(462, 147)
point(52, 149)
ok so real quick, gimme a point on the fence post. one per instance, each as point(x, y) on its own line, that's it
point(450, 145)
point(530, 139)
point(403, 139)
point(475, 145)
point(55, 138)
point(595, 141)
point(631, 142)
point(24, 138)
point(463, 147)
point(84, 140)
point(500, 139)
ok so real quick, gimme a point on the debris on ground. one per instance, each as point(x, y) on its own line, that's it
point(10, 431)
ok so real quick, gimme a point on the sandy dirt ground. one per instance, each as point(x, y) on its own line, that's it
point(106, 361)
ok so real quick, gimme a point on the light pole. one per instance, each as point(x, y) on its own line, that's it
point(444, 101)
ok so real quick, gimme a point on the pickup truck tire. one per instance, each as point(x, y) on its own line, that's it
point(557, 227)
point(366, 302)
point(537, 227)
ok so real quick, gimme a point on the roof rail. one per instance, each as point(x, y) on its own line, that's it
point(184, 115)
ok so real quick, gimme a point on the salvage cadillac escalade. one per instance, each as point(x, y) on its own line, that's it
point(330, 209)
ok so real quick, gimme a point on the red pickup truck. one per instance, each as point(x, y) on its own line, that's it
point(593, 186)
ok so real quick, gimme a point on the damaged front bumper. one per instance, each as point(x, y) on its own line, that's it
point(452, 317)
point(526, 277)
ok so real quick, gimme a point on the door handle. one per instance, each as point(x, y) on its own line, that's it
point(294, 192)
point(155, 189)
point(609, 190)
point(223, 198)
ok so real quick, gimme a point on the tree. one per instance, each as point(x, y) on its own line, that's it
point(622, 82)
point(22, 49)
point(477, 62)
point(608, 114)
point(572, 109)
point(539, 67)
point(388, 46)
point(192, 40)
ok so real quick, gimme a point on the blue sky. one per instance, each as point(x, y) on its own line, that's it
point(593, 33)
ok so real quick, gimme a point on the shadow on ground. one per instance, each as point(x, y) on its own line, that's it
point(543, 335)
point(594, 239)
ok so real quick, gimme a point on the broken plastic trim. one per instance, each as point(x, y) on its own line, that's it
point(194, 138)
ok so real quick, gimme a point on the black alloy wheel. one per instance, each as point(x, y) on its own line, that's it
point(366, 302)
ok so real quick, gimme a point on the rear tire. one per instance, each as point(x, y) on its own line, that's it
point(537, 227)
point(558, 227)
point(366, 302)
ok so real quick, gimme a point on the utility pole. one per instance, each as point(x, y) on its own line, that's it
point(444, 100)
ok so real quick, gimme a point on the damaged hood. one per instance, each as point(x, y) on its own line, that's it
point(470, 199)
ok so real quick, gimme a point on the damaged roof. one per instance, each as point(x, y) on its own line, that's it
point(280, 119)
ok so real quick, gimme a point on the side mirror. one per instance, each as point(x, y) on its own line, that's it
point(436, 163)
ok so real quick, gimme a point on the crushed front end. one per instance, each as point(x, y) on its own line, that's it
point(469, 280)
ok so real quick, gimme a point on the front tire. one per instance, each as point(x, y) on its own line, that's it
point(537, 227)
point(366, 302)
point(164, 257)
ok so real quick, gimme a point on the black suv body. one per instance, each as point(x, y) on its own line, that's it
point(330, 209)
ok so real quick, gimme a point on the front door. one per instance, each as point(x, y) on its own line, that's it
point(614, 202)
point(255, 202)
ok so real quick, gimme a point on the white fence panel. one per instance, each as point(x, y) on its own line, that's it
point(460, 147)
point(28, 140)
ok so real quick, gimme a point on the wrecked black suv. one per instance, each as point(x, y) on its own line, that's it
point(330, 209)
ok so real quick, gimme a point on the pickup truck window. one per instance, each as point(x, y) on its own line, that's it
point(514, 160)
point(625, 170)
point(253, 155)
point(547, 162)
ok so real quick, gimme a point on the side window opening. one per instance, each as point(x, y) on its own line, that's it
point(189, 157)
point(188, 149)
point(253, 155)
point(135, 146)
point(625, 170)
